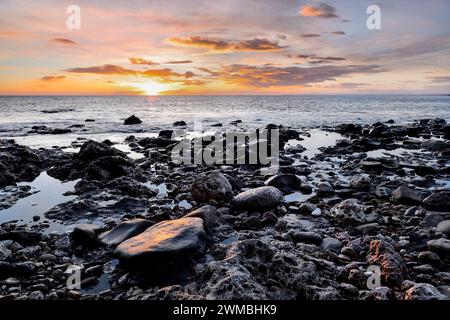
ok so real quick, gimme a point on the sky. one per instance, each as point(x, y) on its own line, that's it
point(229, 47)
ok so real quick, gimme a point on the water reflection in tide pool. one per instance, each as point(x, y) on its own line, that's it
point(50, 194)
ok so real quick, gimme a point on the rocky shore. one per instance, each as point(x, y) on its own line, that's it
point(146, 229)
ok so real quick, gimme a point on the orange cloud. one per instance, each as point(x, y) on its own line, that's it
point(225, 45)
point(322, 10)
point(179, 62)
point(310, 35)
point(53, 78)
point(64, 41)
point(142, 61)
point(104, 69)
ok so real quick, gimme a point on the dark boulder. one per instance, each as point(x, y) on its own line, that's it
point(132, 120)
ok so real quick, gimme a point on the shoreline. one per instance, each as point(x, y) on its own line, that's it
point(357, 195)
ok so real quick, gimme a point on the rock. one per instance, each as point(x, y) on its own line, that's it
point(179, 124)
point(207, 213)
point(407, 196)
point(307, 208)
point(439, 245)
point(432, 220)
point(428, 257)
point(383, 193)
point(392, 267)
point(36, 295)
point(325, 190)
point(166, 134)
point(92, 150)
point(439, 201)
point(444, 227)
point(285, 182)
point(316, 212)
point(348, 211)
point(124, 231)
point(331, 244)
point(372, 166)
point(132, 120)
point(411, 211)
point(360, 183)
point(262, 198)
point(424, 291)
point(213, 186)
point(306, 237)
point(5, 253)
point(85, 234)
point(164, 241)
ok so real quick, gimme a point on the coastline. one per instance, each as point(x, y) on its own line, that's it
point(357, 195)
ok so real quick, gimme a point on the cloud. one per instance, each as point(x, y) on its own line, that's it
point(322, 10)
point(266, 76)
point(104, 69)
point(179, 62)
point(339, 33)
point(227, 45)
point(142, 61)
point(310, 35)
point(319, 59)
point(440, 79)
point(64, 41)
point(52, 78)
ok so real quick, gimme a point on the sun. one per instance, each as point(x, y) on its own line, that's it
point(150, 88)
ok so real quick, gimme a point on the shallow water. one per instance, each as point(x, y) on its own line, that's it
point(50, 193)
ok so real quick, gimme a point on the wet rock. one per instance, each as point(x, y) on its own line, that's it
point(439, 201)
point(92, 150)
point(432, 219)
point(207, 213)
point(444, 227)
point(262, 198)
point(166, 134)
point(307, 208)
point(393, 269)
point(439, 245)
point(331, 244)
point(108, 168)
point(361, 183)
point(164, 241)
point(383, 193)
point(132, 120)
point(424, 291)
point(213, 186)
point(372, 166)
point(5, 253)
point(285, 182)
point(124, 231)
point(21, 236)
point(306, 237)
point(407, 196)
point(179, 123)
point(348, 211)
point(85, 234)
point(325, 190)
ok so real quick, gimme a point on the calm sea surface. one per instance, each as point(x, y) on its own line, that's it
point(19, 113)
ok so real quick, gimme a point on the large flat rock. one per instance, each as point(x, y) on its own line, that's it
point(164, 241)
point(124, 231)
point(262, 198)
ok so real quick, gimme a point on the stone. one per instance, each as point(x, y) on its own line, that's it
point(360, 183)
point(179, 123)
point(444, 227)
point(124, 231)
point(383, 193)
point(439, 245)
point(213, 186)
point(132, 120)
point(36, 295)
point(392, 266)
point(306, 237)
point(348, 211)
point(262, 198)
point(85, 234)
point(407, 196)
point(325, 190)
point(5, 253)
point(331, 244)
point(164, 241)
point(428, 257)
point(285, 182)
point(307, 208)
point(424, 291)
point(439, 201)
point(316, 212)
point(207, 213)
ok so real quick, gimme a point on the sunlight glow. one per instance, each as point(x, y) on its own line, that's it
point(150, 88)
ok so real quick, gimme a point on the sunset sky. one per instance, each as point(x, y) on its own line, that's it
point(224, 47)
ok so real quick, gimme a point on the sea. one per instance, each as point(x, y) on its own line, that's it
point(18, 114)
